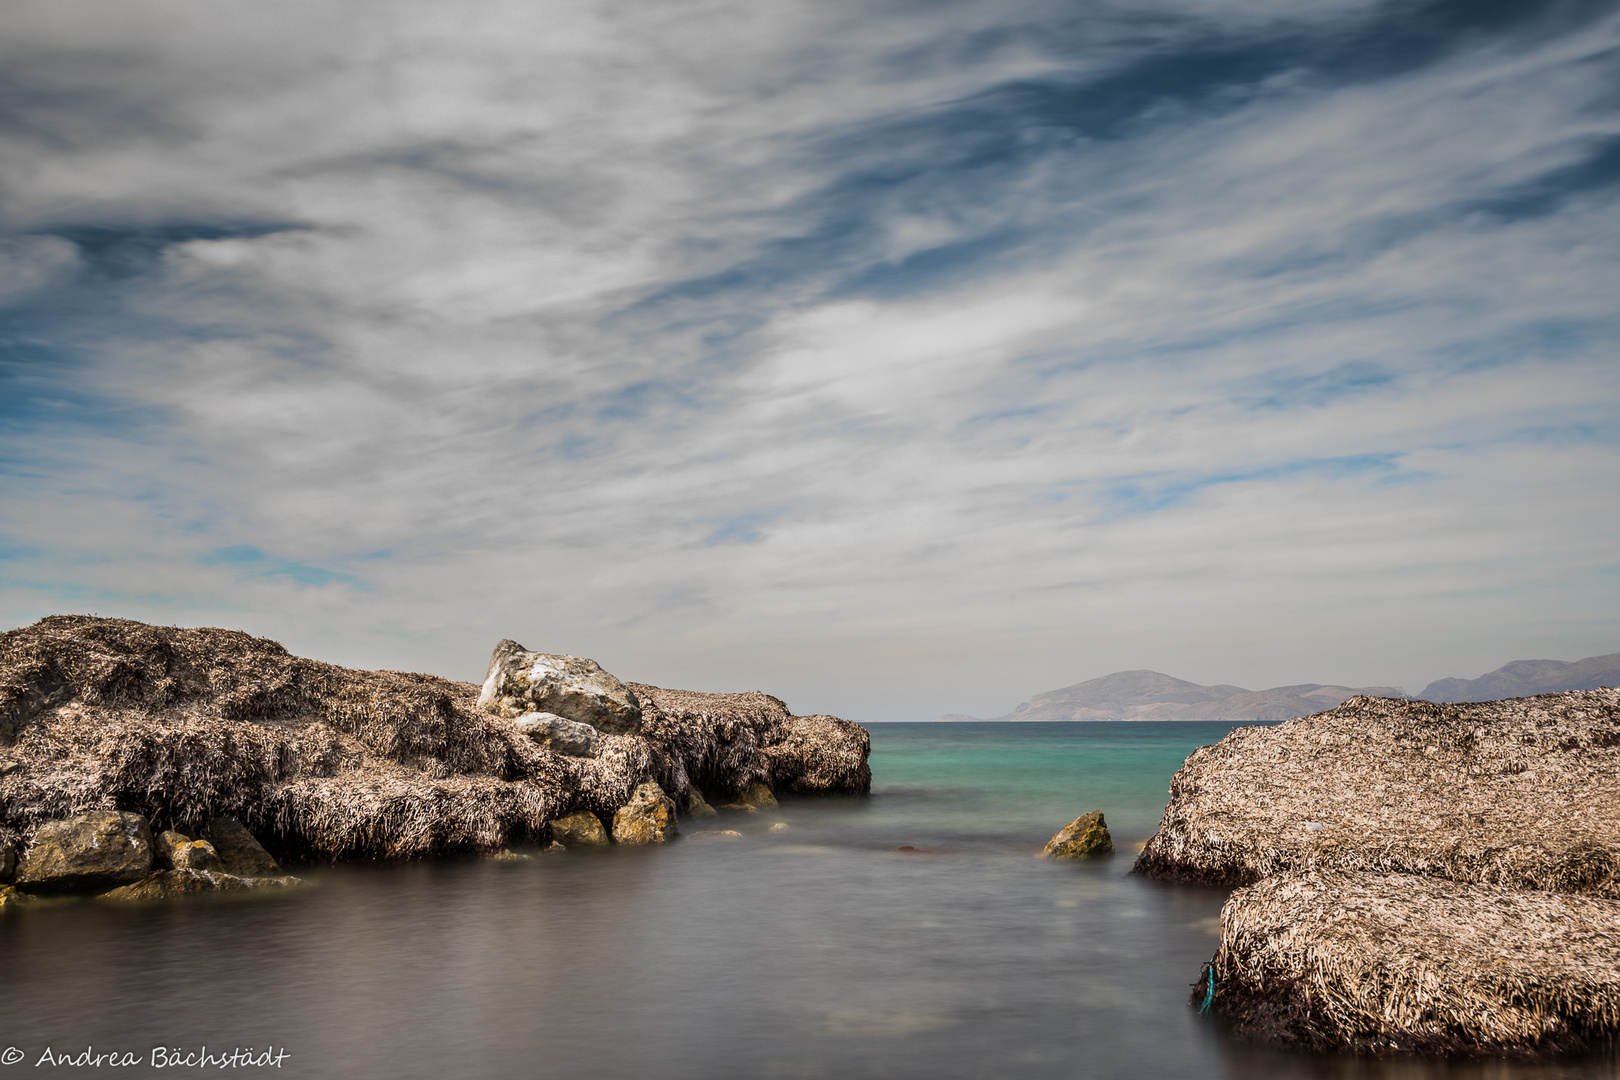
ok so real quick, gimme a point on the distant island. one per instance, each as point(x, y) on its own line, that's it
point(1150, 695)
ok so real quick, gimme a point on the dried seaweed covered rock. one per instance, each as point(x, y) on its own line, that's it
point(1523, 793)
point(1084, 837)
point(1383, 963)
point(99, 849)
point(322, 763)
point(819, 755)
point(648, 818)
point(520, 682)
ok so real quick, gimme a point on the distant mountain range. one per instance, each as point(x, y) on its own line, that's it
point(1149, 695)
point(1524, 678)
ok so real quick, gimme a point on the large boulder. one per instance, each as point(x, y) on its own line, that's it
point(176, 851)
point(165, 884)
point(99, 849)
point(520, 681)
point(1084, 837)
point(239, 853)
point(579, 829)
point(559, 734)
point(648, 818)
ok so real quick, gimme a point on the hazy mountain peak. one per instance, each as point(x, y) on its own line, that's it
point(1525, 678)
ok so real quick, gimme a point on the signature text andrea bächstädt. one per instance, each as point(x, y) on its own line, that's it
point(159, 1057)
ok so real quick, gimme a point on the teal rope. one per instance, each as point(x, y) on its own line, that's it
point(1209, 998)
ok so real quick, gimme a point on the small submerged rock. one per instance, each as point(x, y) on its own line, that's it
point(165, 884)
point(12, 897)
point(579, 829)
point(696, 805)
point(507, 855)
point(99, 849)
point(648, 818)
point(716, 834)
point(757, 797)
point(1083, 838)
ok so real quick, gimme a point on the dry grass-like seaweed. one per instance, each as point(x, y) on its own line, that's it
point(1522, 793)
point(1383, 963)
point(324, 762)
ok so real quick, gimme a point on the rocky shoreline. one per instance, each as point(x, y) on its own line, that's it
point(191, 730)
point(1415, 877)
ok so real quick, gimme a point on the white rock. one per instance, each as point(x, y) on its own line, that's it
point(559, 733)
point(574, 688)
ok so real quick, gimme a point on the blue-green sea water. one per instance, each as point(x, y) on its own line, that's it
point(812, 950)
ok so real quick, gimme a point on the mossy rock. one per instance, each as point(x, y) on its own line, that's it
point(99, 849)
point(579, 829)
point(696, 805)
point(648, 818)
point(1085, 837)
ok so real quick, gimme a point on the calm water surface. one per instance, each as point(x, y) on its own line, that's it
point(817, 951)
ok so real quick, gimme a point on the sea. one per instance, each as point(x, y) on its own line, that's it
point(913, 933)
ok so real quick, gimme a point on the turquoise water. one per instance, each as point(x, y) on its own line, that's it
point(1007, 782)
point(817, 950)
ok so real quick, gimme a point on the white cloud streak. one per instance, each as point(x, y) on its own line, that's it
point(594, 326)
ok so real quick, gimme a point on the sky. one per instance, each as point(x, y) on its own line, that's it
point(897, 358)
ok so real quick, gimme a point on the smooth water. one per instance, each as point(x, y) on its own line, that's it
point(815, 951)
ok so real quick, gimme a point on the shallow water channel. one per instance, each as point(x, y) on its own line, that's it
point(814, 951)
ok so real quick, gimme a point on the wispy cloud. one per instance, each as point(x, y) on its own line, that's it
point(901, 359)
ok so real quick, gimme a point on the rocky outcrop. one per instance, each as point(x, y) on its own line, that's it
point(176, 851)
point(323, 763)
point(100, 849)
point(1423, 877)
point(820, 755)
point(648, 818)
point(1520, 793)
point(8, 861)
point(166, 884)
point(520, 681)
point(1083, 838)
point(579, 829)
point(558, 734)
